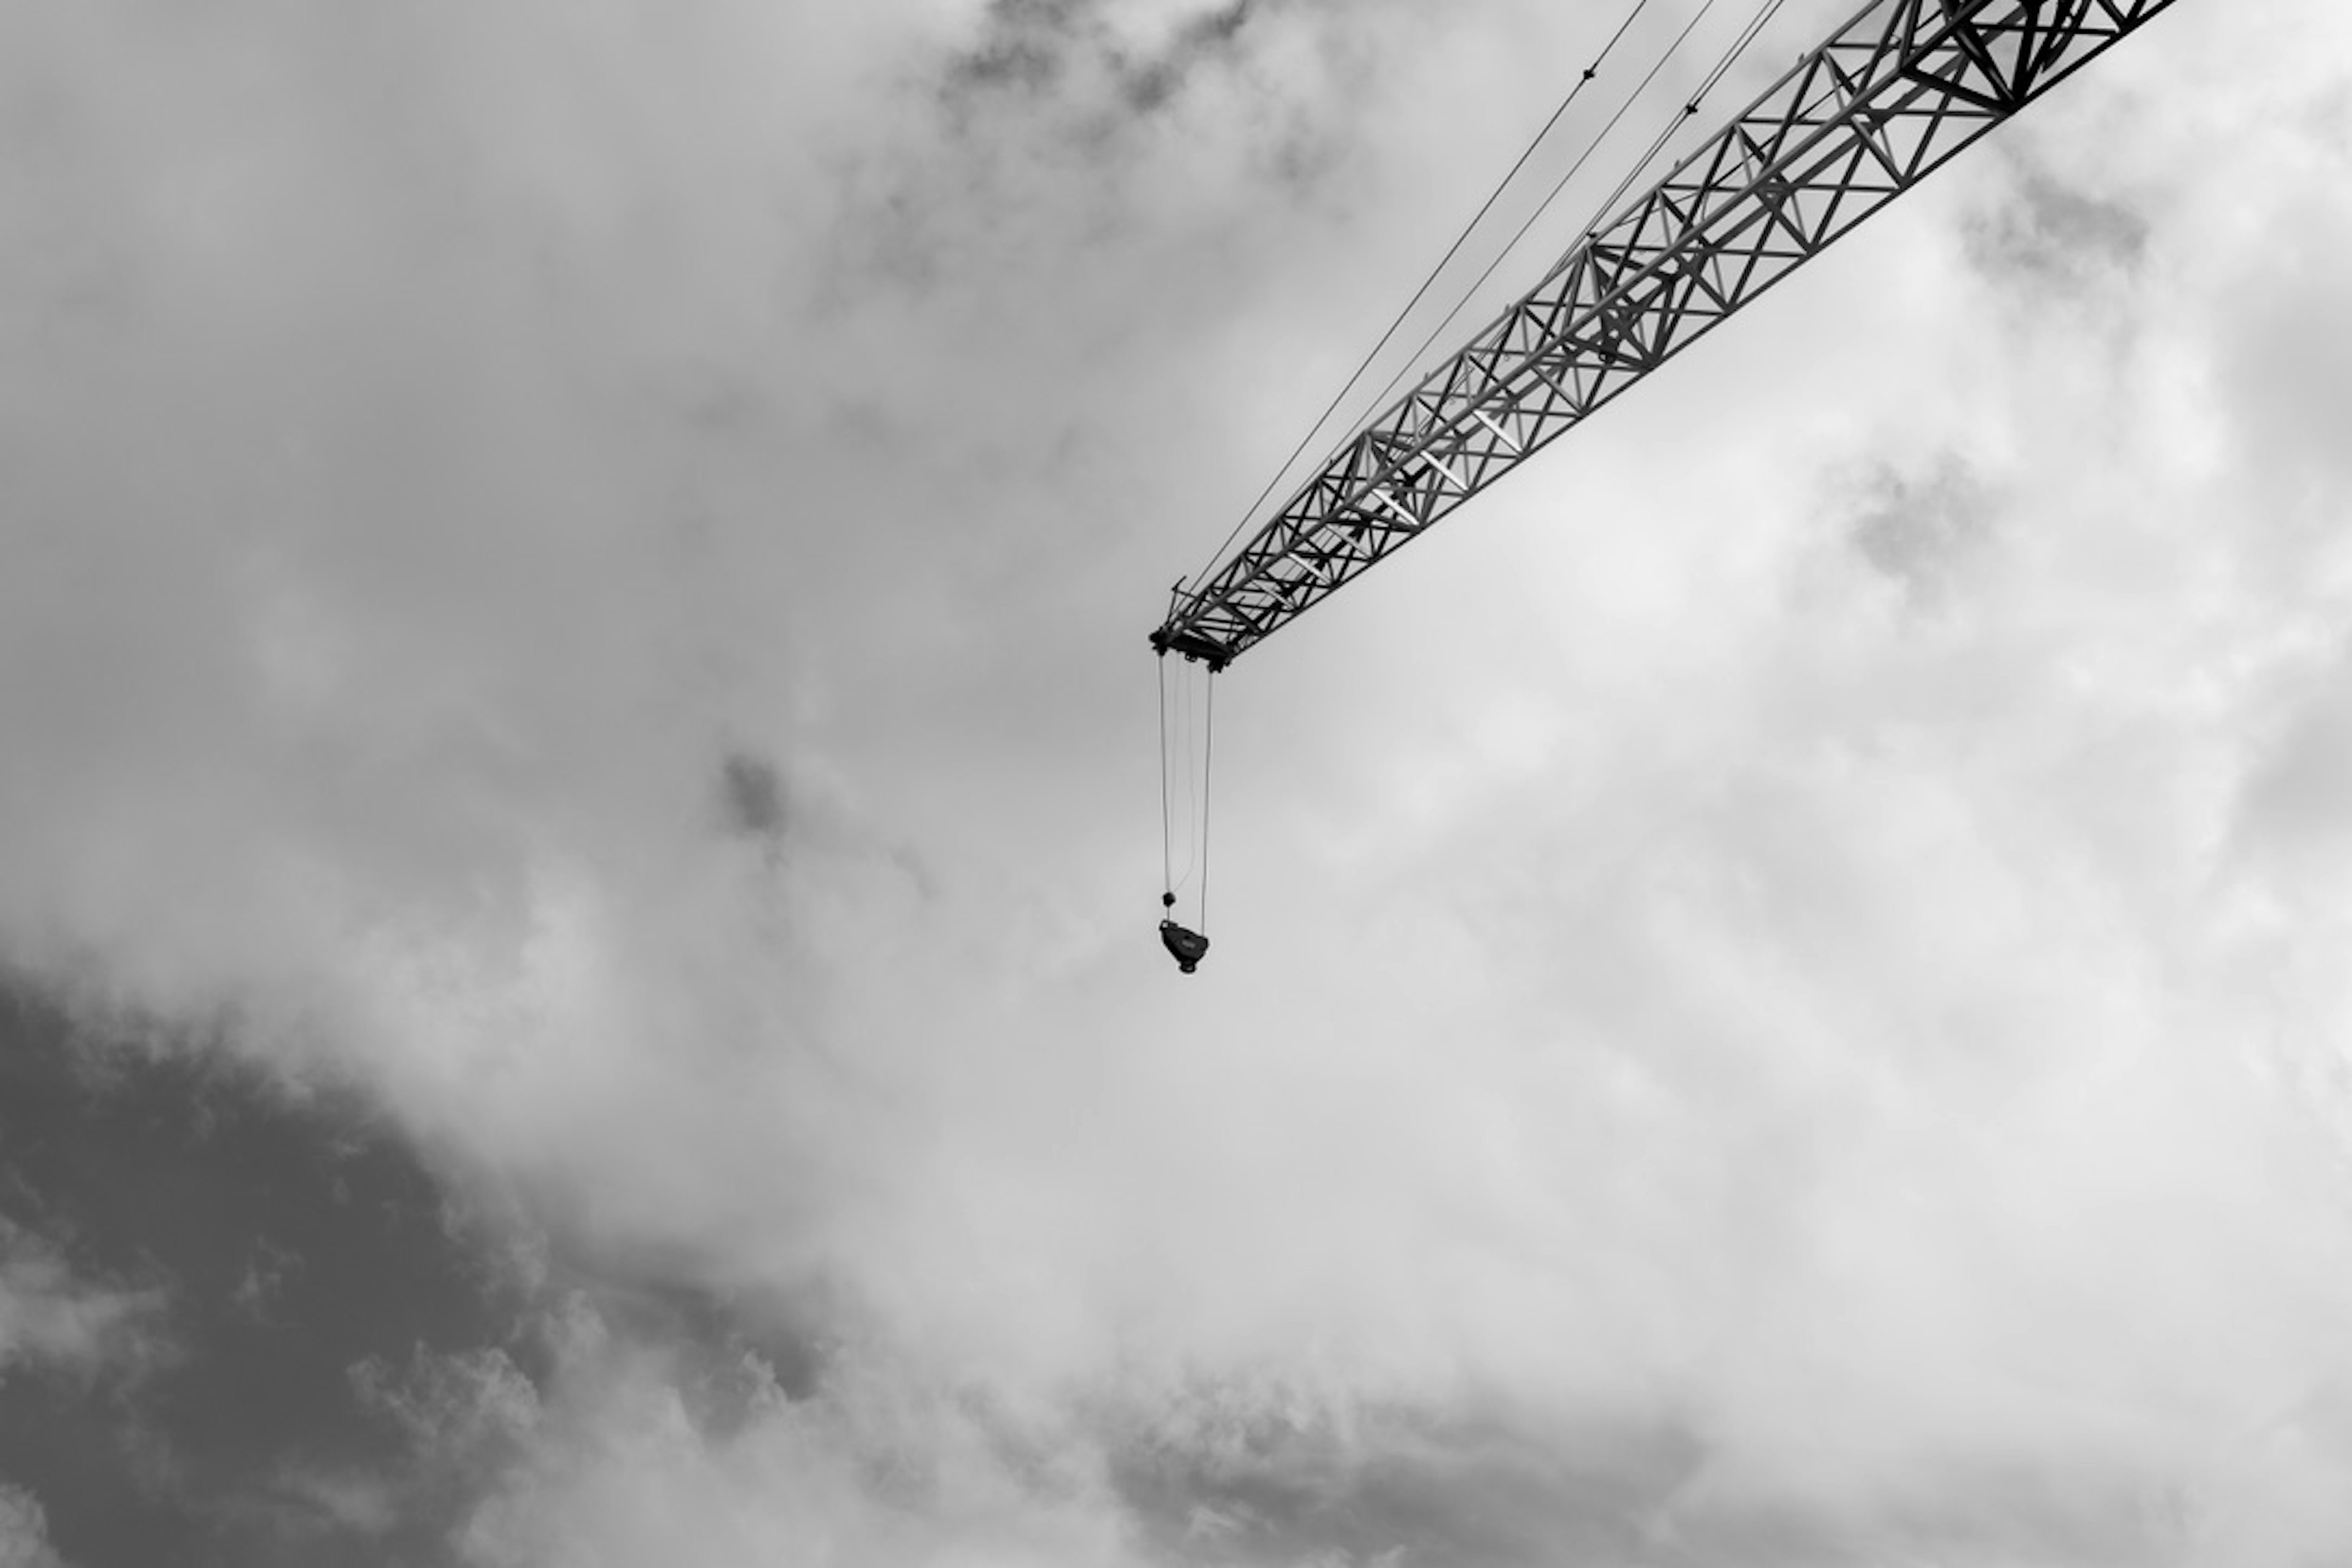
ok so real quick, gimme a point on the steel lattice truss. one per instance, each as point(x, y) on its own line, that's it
point(1863, 117)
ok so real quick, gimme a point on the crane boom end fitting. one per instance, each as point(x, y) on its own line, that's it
point(1192, 645)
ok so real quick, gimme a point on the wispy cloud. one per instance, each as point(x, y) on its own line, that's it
point(54, 1319)
point(1035, 45)
point(23, 1531)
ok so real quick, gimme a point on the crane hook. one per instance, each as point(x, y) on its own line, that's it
point(1186, 947)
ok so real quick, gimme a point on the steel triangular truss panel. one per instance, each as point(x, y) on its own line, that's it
point(1864, 117)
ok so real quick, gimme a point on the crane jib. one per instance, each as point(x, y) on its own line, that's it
point(1889, 97)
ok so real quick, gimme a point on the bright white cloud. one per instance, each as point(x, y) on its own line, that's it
point(1850, 1019)
point(25, 1531)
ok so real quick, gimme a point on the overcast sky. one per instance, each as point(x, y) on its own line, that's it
point(578, 834)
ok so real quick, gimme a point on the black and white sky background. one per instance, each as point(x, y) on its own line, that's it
point(577, 819)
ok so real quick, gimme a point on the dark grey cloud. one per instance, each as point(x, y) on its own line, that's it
point(1507, 1488)
point(284, 1240)
point(751, 796)
point(2049, 235)
point(1100, 96)
point(1487, 1491)
point(1917, 526)
point(731, 1359)
point(1202, 38)
point(1023, 47)
point(1038, 46)
point(243, 1323)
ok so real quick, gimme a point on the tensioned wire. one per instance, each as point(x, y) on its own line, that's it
point(1722, 67)
point(1429, 282)
point(1208, 758)
point(1740, 46)
point(1196, 805)
point(1196, 809)
point(1167, 829)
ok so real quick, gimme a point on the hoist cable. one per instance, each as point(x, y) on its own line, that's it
point(1461, 239)
point(1208, 755)
point(1191, 782)
point(1558, 185)
point(1167, 827)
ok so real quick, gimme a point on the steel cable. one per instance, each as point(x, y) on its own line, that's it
point(1461, 239)
point(1557, 186)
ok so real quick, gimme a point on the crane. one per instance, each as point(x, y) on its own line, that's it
point(1862, 117)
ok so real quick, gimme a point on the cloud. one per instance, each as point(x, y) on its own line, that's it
point(55, 1320)
point(1027, 45)
point(2060, 240)
point(573, 576)
point(466, 1409)
point(23, 1531)
point(754, 795)
point(276, 1240)
point(624, 1458)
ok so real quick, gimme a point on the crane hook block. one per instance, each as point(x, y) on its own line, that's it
point(1187, 947)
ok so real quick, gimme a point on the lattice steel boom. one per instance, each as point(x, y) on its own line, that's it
point(1861, 119)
